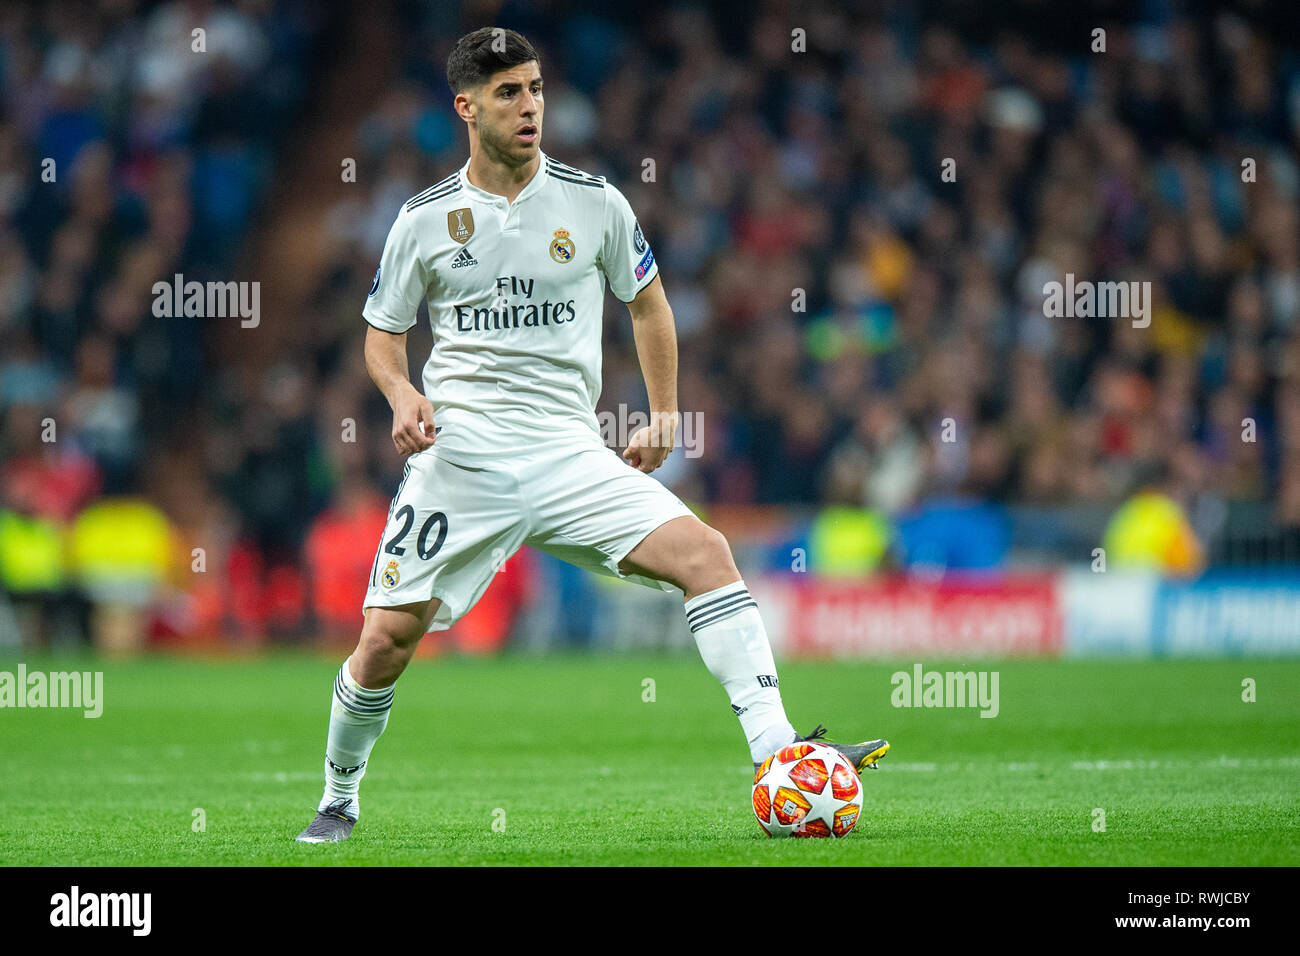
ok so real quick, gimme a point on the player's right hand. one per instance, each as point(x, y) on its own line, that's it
point(412, 411)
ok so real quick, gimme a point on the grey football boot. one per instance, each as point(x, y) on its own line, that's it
point(331, 825)
point(863, 756)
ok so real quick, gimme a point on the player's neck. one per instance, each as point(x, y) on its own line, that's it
point(499, 178)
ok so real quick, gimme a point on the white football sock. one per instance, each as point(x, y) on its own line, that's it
point(733, 643)
point(357, 717)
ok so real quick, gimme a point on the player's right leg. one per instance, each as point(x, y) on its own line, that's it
point(449, 530)
point(363, 696)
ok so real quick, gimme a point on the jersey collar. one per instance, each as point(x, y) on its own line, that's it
point(532, 186)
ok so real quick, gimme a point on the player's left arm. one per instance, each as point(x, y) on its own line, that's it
point(656, 349)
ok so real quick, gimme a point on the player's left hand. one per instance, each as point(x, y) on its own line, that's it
point(651, 445)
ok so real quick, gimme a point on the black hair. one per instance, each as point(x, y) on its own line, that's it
point(476, 56)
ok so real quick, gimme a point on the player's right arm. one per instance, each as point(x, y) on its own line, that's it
point(412, 411)
point(401, 282)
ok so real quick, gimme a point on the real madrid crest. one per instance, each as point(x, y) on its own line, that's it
point(390, 577)
point(562, 246)
point(460, 224)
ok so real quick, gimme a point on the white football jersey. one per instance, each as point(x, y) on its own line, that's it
point(515, 293)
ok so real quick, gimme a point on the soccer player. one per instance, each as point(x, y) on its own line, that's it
point(512, 252)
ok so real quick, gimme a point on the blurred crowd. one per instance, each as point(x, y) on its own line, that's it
point(854, 235)
point(128, 153)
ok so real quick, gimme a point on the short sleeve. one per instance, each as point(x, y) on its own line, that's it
point(626, 258)
point(401, 281)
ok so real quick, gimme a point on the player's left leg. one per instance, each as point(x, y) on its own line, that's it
point(729, 632)
point(725, 622)
point(594, 511)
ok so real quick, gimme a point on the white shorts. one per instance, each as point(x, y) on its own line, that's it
point(452, 526)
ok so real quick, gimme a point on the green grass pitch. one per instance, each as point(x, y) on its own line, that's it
point(564, 751)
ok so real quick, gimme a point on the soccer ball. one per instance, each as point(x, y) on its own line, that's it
point(807, 790)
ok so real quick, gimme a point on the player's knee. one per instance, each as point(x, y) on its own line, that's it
point(376, 642)
point(710, 563)
point(387, 643)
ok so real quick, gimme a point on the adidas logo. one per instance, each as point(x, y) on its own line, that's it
point(463, 258)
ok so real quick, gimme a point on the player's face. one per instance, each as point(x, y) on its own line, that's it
point(509, 114)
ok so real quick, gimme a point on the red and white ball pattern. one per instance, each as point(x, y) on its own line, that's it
point(807, 790)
